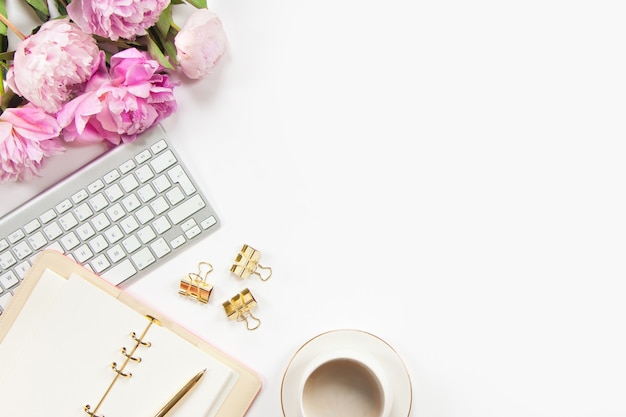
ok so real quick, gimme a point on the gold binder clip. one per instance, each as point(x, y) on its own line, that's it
point(239, 308)
point(194, 284)
point(247, 263)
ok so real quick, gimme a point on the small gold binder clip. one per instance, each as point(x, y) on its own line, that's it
point(247, 263)
point(194, 284)
point(239, 308)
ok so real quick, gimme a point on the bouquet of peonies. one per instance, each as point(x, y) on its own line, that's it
point(98, 71)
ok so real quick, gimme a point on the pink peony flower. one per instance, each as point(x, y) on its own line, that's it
point(200, 44)
point(51, 66)
point(27, 136)
point(135, 96)
point(116, 19)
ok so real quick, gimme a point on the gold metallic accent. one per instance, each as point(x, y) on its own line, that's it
point(239, 308)
point(194, 284)
point(180, 394)
point(128, 355)
point(247, 263)
point(120, 372)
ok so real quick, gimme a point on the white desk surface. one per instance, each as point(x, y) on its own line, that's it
point(448, 175)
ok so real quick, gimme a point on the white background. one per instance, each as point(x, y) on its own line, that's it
point(448, 175)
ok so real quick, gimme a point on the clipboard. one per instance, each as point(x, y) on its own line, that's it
point(240, 395)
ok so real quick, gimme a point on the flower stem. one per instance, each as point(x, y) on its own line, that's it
point(11, 26)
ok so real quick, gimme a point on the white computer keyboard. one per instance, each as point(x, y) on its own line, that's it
point(120, 215)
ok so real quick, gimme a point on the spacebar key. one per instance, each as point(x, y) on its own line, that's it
point(189, 207)
point(120, 272)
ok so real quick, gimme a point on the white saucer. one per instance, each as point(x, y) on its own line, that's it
point(353, 339)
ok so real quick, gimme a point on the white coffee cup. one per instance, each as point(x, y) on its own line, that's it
point(346, 383)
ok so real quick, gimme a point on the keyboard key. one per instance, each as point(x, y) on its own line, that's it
point(79, 196)
point(178, 241)
point(160, 248)
point(83, 212)
point(161, 183)
point(95, 186)
point(146, 193)
point(4, 299)
point(113, 234)
point(31, 226)
point(56, 246)
point(116, 212)
point(186, 209)
point(37, 241)
point(143, 258)
point(129, 183)
point(22, 269)
point(68, 221)
point(98, 202)
point(6, 260)
point(52, 231)
point(16, 236)
point(161, 225)
point(85, 231)
point(144, 215)
point(3, 244)
point(22, 250)
point(100, 263)
point(9, 279)
point(47, 216)
point(158, 147)
point(159, 206)
point(83, 253)
point(178, 176)
point(64, 206)
point(100, 222)
point(129, 224)
point(175, 196)
point(144, 173)
point(208, 222)
point(146, 234)
point(131, 244)
point(116, 253)
point(111, 176)
point(163, 161)
point(114, 193)
point(120, 272)
point(131, 203)
point(98, 244)
point(143, 156)
point(127, 166)
point(70, 241)
point(193, 232)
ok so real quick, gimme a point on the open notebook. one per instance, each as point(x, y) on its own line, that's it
point(65, 343)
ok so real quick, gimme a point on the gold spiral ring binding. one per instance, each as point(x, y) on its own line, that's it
point(129, 356)
point(138, 340)
point(91, 413)
point(120, 371)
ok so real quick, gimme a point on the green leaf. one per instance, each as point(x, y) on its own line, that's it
point(7, 56)
point(200, 4)
point(170, 48)
point(165, 21)
point(61, 7)
point(41, 8)
point(3, 27)
point(155, 52)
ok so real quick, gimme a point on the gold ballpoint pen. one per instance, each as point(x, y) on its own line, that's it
point(180, 394)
